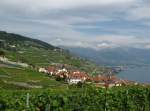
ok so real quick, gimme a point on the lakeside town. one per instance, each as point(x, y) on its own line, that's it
point(61, 72)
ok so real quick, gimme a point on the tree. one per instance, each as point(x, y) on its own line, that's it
point(80, 84)
point(2, 53)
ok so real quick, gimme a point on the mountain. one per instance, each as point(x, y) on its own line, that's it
point(37, 53)
point(15, 39)
point(115, 56)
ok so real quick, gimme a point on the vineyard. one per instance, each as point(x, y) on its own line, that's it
point(131, 98)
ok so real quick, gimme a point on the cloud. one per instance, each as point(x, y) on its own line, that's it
point(60, 4)
point(147, 46)
point(97, 24)
point(103, 42)
point(105, 45)
point(140, 13)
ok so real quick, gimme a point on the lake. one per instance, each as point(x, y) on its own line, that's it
point(139, 74)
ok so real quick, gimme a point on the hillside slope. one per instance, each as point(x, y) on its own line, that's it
point(17, 78)
point(39, 54)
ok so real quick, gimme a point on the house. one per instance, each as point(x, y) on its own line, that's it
point(107, 81)
point(51, 70)
point(76, 77)
point(42, 70)
point(61, 70)
point(12, 46)
point(62, 73)
point(111, 81)
point(97, 79)
point(3, 59)
point(128, 82)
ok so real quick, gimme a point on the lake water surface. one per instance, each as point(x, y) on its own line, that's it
point(139, 74)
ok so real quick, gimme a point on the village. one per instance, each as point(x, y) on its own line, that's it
point(73, 77)
point(62, 72)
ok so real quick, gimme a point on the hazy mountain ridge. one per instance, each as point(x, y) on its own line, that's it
point(115, 56)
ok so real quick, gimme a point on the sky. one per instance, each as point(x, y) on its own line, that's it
point(96, 24)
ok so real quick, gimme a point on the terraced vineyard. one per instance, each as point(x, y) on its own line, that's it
point(18, 78)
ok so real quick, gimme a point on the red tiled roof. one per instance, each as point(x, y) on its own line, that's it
point(108, 79)
point(51, 69)
point(78, 75)
point(97, 78)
